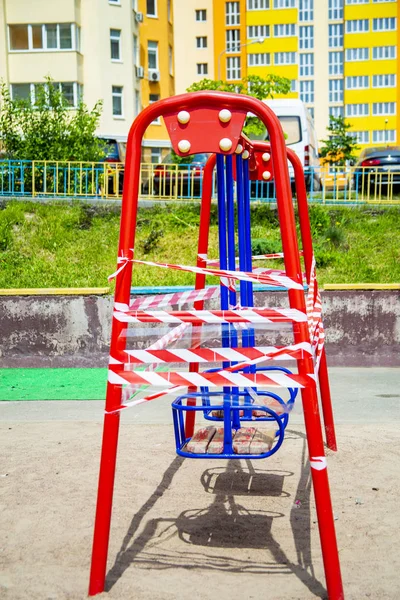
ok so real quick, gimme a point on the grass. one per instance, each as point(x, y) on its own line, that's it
point(75, 245)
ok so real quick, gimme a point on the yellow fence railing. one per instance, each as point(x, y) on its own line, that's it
point(56, 179)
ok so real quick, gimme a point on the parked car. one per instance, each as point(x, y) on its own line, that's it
point(377, 166)
point(182, 180)
point(298, 126)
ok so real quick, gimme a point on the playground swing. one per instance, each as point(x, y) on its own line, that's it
point(237, 393)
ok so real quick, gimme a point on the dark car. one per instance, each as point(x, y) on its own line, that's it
point(376, 167)
point(180, 180)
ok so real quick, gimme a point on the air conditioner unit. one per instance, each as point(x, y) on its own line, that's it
point(140, 72)
point(154, 75)
point(139, 17)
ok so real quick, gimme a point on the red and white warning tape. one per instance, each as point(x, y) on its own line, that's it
point(175, 298)
point(196, 317)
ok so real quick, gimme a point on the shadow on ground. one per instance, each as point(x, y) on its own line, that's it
point(225, 524)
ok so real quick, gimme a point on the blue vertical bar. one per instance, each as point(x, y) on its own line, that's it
point(247, 230)
point(241, 227)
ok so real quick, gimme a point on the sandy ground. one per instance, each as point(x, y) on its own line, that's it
point(193, 529)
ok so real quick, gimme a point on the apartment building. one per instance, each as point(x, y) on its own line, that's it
point(340, 56)
point(193, 42)
point(119, 51)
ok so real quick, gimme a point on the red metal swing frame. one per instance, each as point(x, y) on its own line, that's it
point(239, 106)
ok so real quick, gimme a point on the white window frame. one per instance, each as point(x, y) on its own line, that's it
point(306, 64)
point(283, 30)
point(232, 13)
point(335, 63)
point(306, 10)
point(357, 26)
point(157, 120)
point(232, 41)
point(357, 54)
point(357, 82)
point(259, 59)
point(306, 37)
point(117, 95)
point(361, 137)
point(378, 51)
point(335, 87)
point(285, 58)
point(155, 14)
point(357, 1)
point(378, 1)
point(357, 110)
point(257, 4)
point(135, 42)
point(75, 37)
point(380, 24)
point(335, 10)
point(337, 110)
point(233, 67)
point(307, 90)
point(284, 4)
point(256, 32)
point(202, 68)
point(200, 42)
point(200, 12)
point(77, 91)
point(116, 38)
point(381, 109)
point(383, 136)
point(391, 83)
point(156, 68)
point(336, 36)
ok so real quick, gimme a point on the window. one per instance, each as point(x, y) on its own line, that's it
point(151, 8)
point(311, 111)
point(71, 91)
point(115, 43)
point(284, 3)
point(257, 31)
point(285, 30)
point(233, 40)
point(357, 26)
point(233, 69)
point(335, 36)
point(201, 42)
point(336, 90)
point(155, 156)
point(257, 4)
point(386, 24)
point(152, 54)
point(202, 68)
point(357, 110)
point(376, 1)
point(306, 37)
point(306, 65)
point(285, 58)
point(306, 10)
point(383, 136)
point(170, 61)
point(292, 128)
point(383, 81)
point(155, 98)
point(293, 85)
point(117, 100)
point(232, 13)
point(137, 102)
point(361, 137)
point(135, 51)
point(384, 108)
point(357, 82)
point(357, 1)
point(307, 91)
point(335, 63)
point(384, 52)
point(356, 54)
point(335, 10)
point(201, 15)
point(336, 111)
point(63, 36)
point(259, 60)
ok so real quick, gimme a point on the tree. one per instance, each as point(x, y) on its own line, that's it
point(340, 147)
point(48, 129)
point(253, 85)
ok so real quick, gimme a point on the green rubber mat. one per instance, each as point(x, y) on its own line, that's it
point(52, 384)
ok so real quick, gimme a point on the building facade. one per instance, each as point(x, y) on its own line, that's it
point(117, 51)
point(341, 57)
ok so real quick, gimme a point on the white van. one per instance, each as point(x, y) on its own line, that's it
point(298, 127)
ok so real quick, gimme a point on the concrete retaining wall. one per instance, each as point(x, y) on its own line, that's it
point(362, 327)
